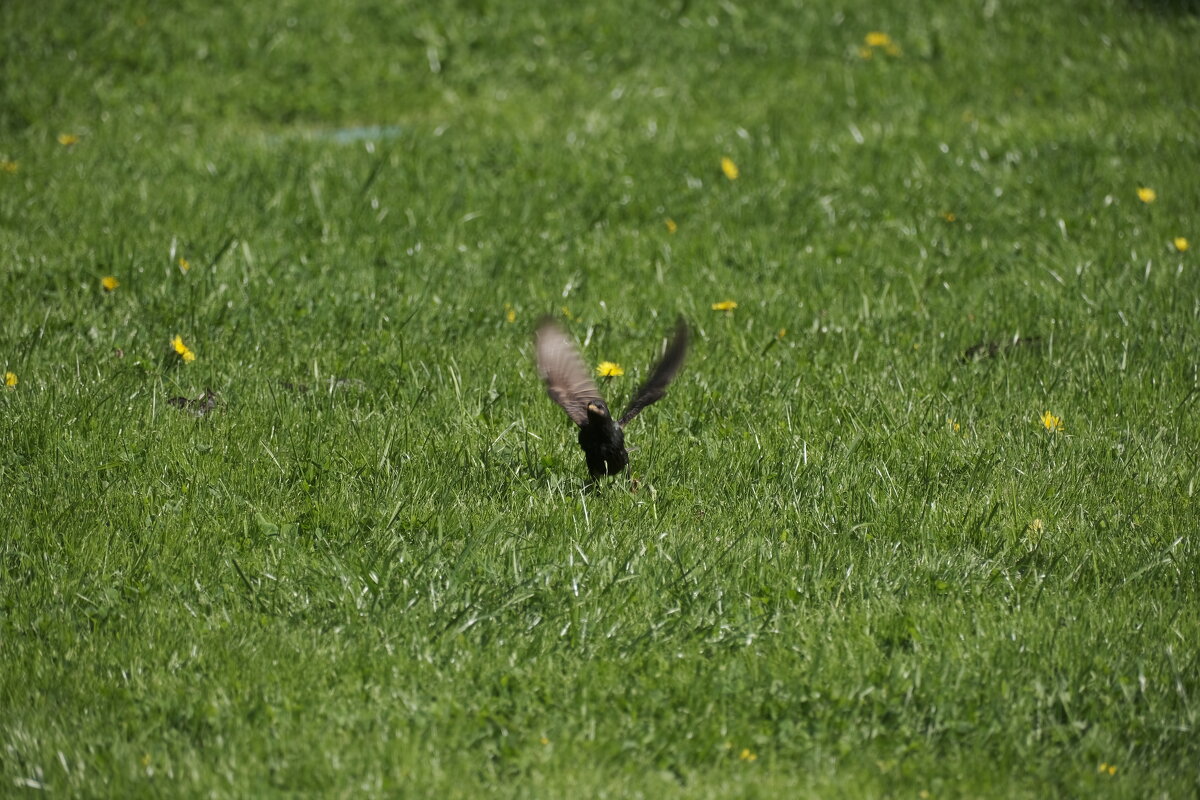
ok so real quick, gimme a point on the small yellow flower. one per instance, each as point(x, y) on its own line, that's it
point(1146, 194)
point(953, 424)
point(67, 139)
point(878, 39)
point(544, 740)
point(1105, 767)
point(729, 168)
point(782, 332)
point(608, 369)
point(510, 313)
point(183, 350)
point(109, 282)
point(724, 305)
point(671, 226)
point(8, 166)
point(566, 312)
point(949, 216)
point(184, 266)
point(1052, 423)
point(1181, 244)
point(746, 755)
point(10, 379)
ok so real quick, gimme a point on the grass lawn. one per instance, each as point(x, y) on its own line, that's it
point(285, 510)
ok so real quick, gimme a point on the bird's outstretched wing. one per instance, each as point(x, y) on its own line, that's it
point(655, 387)
point(568, 381)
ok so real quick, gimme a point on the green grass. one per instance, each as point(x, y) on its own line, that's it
point(851, 554)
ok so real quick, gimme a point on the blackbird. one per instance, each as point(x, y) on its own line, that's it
point(570, 384)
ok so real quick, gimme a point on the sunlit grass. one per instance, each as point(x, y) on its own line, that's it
point(916, 519)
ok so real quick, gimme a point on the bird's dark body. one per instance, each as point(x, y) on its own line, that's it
point(603, 444)
point(569, 383)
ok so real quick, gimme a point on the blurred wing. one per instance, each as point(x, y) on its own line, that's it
point(568, 381)
point(655, 387)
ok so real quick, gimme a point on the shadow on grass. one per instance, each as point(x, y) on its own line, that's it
point(1167, 7)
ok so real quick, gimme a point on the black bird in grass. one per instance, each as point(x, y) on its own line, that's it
point(569, 383)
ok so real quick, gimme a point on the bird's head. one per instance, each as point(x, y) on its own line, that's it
point(597, 411)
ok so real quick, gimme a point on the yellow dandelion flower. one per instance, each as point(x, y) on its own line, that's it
point(510, 313)
point(1052, 423)
point(1146, 194)
point(746, 755)
point(544, 740)
point(878, 39)
point(782, 332)
point(608, 369)
point(953, 424)
point(949, 216)
point(1181, 244)
point(182, 350)
point(1106, 768)
point(109, 282)
point(67, 139)
point(10, 379)
point(724, 305)
point(671, 226)
point(184, 266)
point(729, 168)
point(8, 166)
